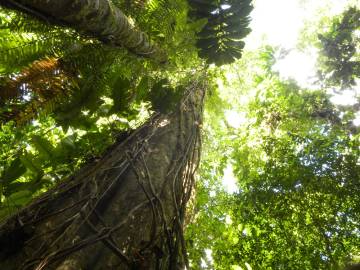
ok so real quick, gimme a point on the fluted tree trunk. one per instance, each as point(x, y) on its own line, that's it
point(125, 211)
point(98, 18)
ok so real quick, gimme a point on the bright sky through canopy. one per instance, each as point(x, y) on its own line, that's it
point(229, 180)
point(279, 23)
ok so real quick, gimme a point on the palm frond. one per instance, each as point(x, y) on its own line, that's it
point(227, 23)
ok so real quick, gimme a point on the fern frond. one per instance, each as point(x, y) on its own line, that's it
point(17, 86)
point(24, 40)
point(40, 84)
point(151, 18)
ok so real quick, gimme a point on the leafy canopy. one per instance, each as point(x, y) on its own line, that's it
point(65, 98)
point(340, 59)
point(295, 157)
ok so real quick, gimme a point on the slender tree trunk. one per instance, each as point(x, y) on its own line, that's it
point(98, 18)
point(124, 212)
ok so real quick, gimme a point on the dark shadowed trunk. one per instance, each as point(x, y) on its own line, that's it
point(126, 211)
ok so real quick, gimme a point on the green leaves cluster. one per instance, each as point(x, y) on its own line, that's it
point(24, 40)
point(32, 166)
point(340, 51)
point(115, 92)
point(296, 162)
point(297, 192)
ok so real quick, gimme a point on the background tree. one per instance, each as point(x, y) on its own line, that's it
point(296, 164)
point(339, 61)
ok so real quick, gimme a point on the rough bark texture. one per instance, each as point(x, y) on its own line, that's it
point(124, 212)
point(98, 18)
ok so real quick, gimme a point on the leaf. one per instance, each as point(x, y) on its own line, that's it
point(198, 13)
point(223, 24)
point(204, 5)
point(120, 94)
point(163, 97)
point(208, 32)
point(15, 187)
point(242, 11)
point(45, 148)
point(143, 88)
point(19, 198)
point(207, 42)
point(239, 35)
point(238, 44)
point(66, 147)
point(28, 161)
point(234, 27)
point(5, 212)
point(15, 170)
point(223, 58)
point(35, 184)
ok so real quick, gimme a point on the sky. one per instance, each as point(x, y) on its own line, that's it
point(279, 23)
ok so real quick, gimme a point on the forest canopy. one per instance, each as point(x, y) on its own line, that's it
point(278, 184)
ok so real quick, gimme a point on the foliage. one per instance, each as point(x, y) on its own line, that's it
point(297, 166)
point(66, 97)
point(227, 23)
point(339, 61)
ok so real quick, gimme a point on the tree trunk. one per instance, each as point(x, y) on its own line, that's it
point(126, 211)
point(98, 18)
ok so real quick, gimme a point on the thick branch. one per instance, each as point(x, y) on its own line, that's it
point(98, 18)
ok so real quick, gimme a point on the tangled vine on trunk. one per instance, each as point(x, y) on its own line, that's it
point(126, 211)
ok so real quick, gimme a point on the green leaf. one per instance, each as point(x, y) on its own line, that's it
point(66, 147)
point(15, 170)
point(239, 35)
point(204, 5)
point(45, 148)
point(28, 161)
point(207, 42)
point(19, 198)
point(238, 44)
point(143, 88)
point(121, 94)
point(15, 187)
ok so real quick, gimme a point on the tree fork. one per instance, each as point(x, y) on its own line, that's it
point(124, 212)
point(98, 18)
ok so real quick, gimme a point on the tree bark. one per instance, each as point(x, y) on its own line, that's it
point(126, 211)
point(98, 18)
